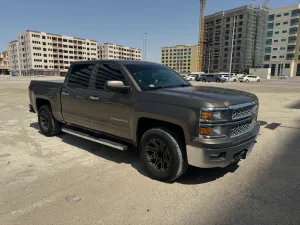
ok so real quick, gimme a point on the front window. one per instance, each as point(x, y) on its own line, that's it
point(155, 76)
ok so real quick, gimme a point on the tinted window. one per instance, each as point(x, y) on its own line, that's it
point(106, 72)
point(80, 75)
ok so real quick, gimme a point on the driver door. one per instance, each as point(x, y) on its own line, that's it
point(110, 112)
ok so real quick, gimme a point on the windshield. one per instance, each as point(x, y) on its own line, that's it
point(154, 76)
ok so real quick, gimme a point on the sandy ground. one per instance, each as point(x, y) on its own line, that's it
point(67, 180)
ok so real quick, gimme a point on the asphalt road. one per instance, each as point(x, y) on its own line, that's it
point(67, 180)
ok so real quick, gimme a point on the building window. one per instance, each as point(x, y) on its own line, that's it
point(278, 15)
point(284, 31)
point(267, 57)
point(269, 41)
point(273, 66)
point(298, 70)
point(293, 30)
point(271, 17)
point(270, 25)
point(283, 40)
point(282, 48)
point(294, 22)
point(274, 57)
point(286, 14)
point(277, 24)
point(276, 32)
point(275, 49)
point(275, 40)
point(285, 23)
point(295, 13)
point(290, 56)
point(287, 66)
point(269, 33)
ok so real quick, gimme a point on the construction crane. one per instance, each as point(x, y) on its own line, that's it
point(266, 3)
point(201, 36)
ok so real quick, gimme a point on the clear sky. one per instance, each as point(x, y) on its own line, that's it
point(124, 22)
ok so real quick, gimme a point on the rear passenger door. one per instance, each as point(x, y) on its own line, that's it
point(75, 95)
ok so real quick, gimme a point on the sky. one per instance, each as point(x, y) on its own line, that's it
point(167, 22)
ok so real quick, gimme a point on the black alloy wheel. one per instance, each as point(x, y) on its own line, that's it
point(158, 155)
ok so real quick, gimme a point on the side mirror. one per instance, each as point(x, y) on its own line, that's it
point(116, 86)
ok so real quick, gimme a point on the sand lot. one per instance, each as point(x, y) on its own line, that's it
point(67, 180)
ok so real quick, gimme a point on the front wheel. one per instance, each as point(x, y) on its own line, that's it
point(258, 80)
point(218, 81)
point(203, 80)
point(162, 155)
point(49, 126)
point(247, 80)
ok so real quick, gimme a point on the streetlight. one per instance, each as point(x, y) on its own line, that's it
point(231, 53)
point(145, 46)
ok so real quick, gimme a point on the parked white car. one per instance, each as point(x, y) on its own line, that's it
point(191, 77)
point(249, 78)
point(232, 77)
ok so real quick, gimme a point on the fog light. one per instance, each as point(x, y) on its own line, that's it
point(205, 130)
point(218, 155)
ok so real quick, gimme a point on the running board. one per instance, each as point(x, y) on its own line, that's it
point(98, 140)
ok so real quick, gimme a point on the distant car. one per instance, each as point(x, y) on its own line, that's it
point(200, 77)
point(232, 78)
point(191, 77)
point(250, 78)
point(212, 78)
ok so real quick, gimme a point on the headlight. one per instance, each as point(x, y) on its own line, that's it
point(214, 114)
point(216, 131)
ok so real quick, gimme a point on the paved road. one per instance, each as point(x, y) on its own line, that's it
point(67, 180)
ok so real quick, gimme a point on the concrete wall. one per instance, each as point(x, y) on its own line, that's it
point(263, 73)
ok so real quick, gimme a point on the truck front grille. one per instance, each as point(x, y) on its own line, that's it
point(242, 128)
point(242, 112)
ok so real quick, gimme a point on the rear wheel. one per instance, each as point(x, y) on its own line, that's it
point(258, 80)
point(247, 80)
point(203, 80)
point(162, 155)
point(49, 126)
point(235, 80)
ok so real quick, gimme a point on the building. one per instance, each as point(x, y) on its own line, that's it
point(282, 53)
point(181, 58)
point(4, 62)
point(41, 53)
point(248, 42)
point(114, 51)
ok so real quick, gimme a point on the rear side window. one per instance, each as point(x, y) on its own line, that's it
point(106, 72)
point(80, 76)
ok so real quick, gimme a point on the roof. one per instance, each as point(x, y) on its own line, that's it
point(119, 61)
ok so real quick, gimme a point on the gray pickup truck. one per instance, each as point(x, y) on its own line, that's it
point(147, 105)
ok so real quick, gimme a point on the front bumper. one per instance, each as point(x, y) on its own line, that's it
point(31, 108)
point(206, 157)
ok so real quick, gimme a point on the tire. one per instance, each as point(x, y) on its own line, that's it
point(49, 126)
point(235, 80)
point(218, 81)
point(247, 80)
point(167, 149)
point(258, 80)
point(203, 80)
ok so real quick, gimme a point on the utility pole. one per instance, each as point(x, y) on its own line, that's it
point(19, 63)
point(209, 52)
point(231, 53)
point(145, 46)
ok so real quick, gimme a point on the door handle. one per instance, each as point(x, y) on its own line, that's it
point(65, 93)
point(94, 98)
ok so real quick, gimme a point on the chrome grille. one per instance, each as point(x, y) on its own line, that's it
point(242, 112)
point(242, 128)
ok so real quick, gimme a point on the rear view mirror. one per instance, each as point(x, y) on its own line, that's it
point(116, 86)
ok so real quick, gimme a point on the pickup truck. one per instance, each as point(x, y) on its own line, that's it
point(121, 104)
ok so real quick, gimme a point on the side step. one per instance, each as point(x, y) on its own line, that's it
point(98, 140)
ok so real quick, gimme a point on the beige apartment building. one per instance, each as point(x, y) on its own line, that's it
point(282, 51)
point(181, 58)
point(114, 51)
point(41, 53)
point(4, 62)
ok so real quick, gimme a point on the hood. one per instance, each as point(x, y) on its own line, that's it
point(188, 96)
